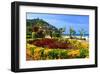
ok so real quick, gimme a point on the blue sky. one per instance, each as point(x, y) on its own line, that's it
point(63, 20)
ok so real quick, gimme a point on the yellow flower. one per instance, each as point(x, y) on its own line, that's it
point(74, 53)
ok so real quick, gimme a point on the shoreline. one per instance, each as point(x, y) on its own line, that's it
point(86, 37)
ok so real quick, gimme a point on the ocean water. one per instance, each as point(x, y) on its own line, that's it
point(85, 35)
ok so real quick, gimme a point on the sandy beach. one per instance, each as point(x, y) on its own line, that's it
point(84, 37)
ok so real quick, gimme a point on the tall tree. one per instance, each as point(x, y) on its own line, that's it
point(72, 32)
point(61, 30)
point(82, 32)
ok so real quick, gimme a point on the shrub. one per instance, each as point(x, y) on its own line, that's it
point(51, 43)
point(40, 34)
point(63, 54)
point(84, 53)
point(53, 54)
point(33, 35)
point(28, 36)
point(32, 51)
point(58, 54)
point(42, 54)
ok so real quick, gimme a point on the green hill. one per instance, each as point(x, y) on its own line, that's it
point(30, 23)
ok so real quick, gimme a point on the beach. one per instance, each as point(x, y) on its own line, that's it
point(84, 37)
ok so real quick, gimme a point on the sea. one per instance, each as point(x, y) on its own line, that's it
point(85, 35)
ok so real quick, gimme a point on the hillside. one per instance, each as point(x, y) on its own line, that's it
point(40, 22)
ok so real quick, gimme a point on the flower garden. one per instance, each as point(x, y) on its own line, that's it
point(47, 49)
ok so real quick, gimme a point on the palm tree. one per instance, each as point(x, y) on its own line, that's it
point(72, 32)
point(81, 31)
point(50, 33)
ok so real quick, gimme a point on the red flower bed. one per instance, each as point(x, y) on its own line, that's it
point(51, 43)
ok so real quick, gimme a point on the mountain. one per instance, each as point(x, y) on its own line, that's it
point(40, 23)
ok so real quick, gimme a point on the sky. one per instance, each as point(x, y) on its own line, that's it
point(64, 21)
